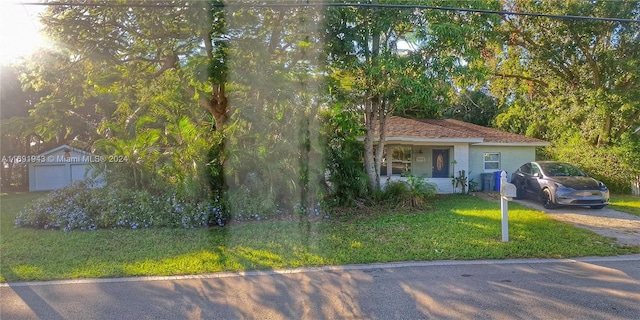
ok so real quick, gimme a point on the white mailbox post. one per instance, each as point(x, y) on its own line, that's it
point(507, 193)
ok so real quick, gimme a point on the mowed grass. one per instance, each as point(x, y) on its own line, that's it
point(458, 227)
point(625, 203)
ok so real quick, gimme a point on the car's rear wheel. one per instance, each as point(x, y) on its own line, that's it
point(547, 199)
point(597, 207)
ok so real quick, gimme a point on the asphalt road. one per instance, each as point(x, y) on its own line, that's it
point(587, 288)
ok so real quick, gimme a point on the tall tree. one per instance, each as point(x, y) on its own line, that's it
point(372, 73)
point(362, 47)
point(136, 44)
point(477, 107)
point(583, 72)
point(574, 82)
point(123, 71)
point(18, 136)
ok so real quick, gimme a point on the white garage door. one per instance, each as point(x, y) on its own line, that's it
point(78, 171)
point(50, 177)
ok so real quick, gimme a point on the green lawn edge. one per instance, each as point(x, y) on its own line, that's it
point(455, 228)
point(626, 203)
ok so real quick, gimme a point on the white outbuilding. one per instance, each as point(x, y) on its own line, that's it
point(58, 167)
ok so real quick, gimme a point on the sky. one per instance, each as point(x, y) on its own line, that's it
point(19, 30)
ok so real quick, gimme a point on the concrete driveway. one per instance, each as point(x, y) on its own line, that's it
point(624, 227)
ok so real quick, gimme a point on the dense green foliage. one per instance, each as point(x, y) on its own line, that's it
point(615, 165)
point(574, 83)
point(347, 181)
point(474, 107)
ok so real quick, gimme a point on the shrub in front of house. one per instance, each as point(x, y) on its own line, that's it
point(77, 207)
point(410, 193)
point(615, 166)
point(419, 189)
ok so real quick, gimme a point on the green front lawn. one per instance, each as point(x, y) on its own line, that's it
point(460, 227)
point(625, 203)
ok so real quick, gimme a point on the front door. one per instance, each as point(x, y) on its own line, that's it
point(440, 163)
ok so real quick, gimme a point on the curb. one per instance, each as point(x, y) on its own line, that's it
point(390, 265)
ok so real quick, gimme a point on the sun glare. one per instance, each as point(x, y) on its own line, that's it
point(19, 31)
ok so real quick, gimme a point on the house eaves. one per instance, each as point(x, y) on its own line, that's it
point(432, 140)
point(513, 144)
point(405, 130)
point(63, 147)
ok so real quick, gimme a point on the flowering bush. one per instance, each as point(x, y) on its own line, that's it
point(78, 207)
point(68, 208)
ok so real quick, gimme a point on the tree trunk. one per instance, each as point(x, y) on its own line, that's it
point(605, 135)
point(373, 111)
point(635, 186)
point(369, 159)
point(382, 133)
point(218, 106)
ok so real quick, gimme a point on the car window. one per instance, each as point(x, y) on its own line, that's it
point(535, 169)
point(562, 170)
point(526, 168)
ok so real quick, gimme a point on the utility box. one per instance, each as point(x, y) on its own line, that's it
point(488, 181)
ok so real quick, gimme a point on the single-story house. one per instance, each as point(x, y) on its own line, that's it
point(438, 149)
point(58, 167)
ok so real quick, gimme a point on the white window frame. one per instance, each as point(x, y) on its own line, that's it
point(388, 162)
point(485, 162)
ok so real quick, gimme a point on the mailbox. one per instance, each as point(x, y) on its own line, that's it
point(508, 190)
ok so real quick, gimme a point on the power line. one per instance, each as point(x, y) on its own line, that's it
point(26, 11)
point(359, 5)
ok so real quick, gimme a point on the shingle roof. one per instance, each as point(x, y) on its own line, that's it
point(398, 127)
